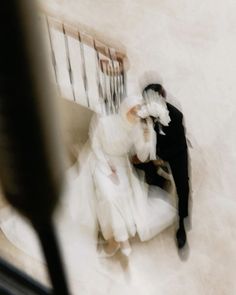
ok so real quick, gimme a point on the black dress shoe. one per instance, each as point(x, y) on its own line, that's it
point(181, 237)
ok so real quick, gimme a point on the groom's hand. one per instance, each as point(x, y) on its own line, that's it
point(158, 162)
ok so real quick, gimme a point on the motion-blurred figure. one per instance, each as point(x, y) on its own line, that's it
point(171, 146)
point(122, 203)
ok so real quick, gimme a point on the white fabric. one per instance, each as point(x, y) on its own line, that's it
point(94, 197)
point(123, 207)
point(156, 107)
point(144, 149)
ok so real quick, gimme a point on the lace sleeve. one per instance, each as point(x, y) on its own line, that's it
point(145, 145)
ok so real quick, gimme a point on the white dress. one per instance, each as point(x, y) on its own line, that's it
point(122, 203)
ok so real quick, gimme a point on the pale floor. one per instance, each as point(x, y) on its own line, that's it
point(207, 266)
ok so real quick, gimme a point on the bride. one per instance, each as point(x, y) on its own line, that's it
point(124, 204)
point(106, 194)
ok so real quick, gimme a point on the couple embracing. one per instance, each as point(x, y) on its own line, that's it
point(116, 191)
point(128, 198)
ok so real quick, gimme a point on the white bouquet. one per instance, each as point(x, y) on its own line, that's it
point(156, 107)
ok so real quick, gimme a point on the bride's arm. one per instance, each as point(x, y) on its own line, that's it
point(145, 141)
point(95, 136)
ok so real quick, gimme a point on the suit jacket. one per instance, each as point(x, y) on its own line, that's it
point(174, 141)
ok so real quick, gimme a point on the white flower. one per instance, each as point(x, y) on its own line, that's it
point(143, 112)
point(158, 109)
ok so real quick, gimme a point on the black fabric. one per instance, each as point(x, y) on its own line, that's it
point(179, 168)
point(172, 147)
point(151, 176)
point(181, 236)
point(174, 140)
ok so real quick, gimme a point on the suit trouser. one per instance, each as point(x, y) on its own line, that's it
point(151, 176)
point(179, 168)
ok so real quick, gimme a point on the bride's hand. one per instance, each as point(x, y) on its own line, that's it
point(114, 177)
point(113, 169)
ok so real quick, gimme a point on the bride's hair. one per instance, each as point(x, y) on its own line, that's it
point(157, 88)
point(130, 102)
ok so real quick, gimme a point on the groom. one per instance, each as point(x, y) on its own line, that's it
point(171, 147)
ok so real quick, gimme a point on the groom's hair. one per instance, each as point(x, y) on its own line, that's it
point(157, 88)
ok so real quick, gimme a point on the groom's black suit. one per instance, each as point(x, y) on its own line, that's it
point(172, 147)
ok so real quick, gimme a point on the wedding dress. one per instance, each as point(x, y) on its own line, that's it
point(118, 204)
point(125, 204)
